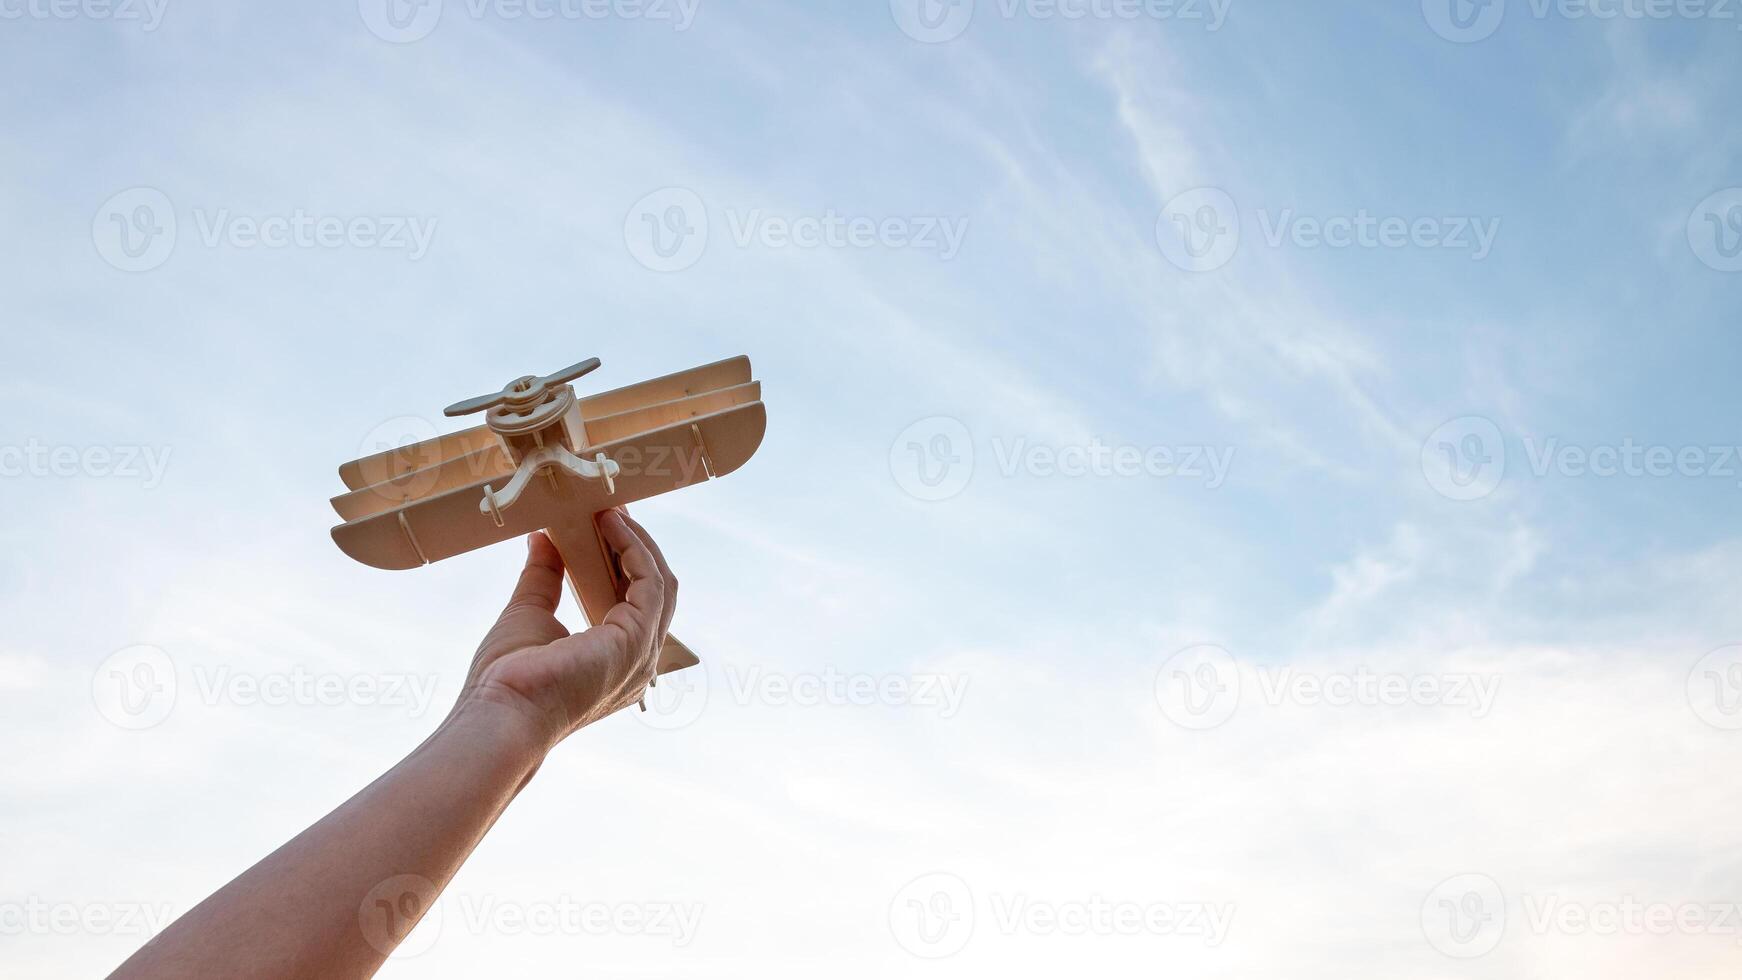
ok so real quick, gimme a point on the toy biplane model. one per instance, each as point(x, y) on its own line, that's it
point(546, 458)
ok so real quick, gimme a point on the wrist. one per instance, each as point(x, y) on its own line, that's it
point(506, 728)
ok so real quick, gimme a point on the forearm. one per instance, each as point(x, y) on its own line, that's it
point(336, 900)
point(307, 910)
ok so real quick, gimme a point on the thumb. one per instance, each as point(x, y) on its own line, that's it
point(541, 581)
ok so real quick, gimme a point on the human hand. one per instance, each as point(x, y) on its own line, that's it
point(558, 683)
point(530, 685)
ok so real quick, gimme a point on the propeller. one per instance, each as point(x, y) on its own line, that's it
point(527, 390)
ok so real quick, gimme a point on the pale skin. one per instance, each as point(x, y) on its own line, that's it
point(336, 899)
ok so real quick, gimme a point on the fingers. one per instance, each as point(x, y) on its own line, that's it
point(668, 604)
point(640, 610)
point(541, 581)
point(611, 665)
point(642, 606)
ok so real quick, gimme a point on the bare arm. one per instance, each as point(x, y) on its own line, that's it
point(337, 898)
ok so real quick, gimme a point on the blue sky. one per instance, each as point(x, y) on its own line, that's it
point(528, 149)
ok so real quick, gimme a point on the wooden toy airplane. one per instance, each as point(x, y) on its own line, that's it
point(547, 458)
